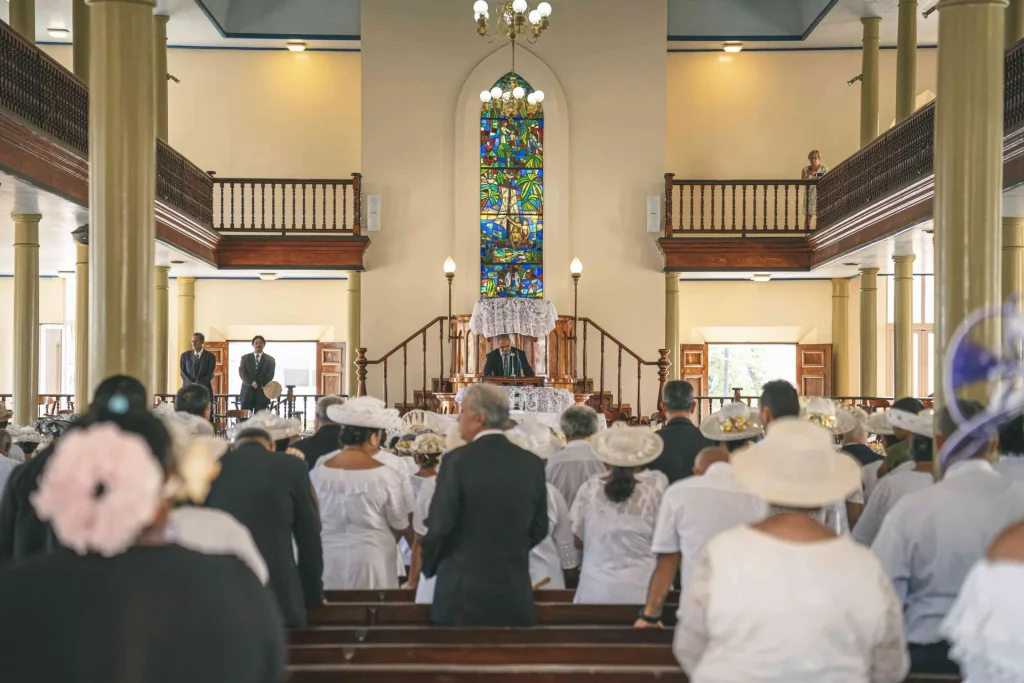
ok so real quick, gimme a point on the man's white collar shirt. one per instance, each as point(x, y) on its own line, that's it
point(568, 469)
point(488, 432)
point(888, 492)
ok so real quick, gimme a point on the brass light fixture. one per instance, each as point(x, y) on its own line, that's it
point(513, 16)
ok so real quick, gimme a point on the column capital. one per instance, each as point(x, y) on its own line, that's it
point(904, 258)
point(943, 4)
point(868, 271)
point(147, 3)
point(870, 22)
point(26, 217)
point(840, 287)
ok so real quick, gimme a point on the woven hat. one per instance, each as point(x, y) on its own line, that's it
point(627, 446)
point(878, 423)
point(536, 438)
point(734, 422)
point(25, 434)
point(278, 427)
point(824, 412)
point(797, 465)
point(922, 424)
point(427, 443)
point(419, 421)
point(272, 390)
point(365, 411)
point(5, 412)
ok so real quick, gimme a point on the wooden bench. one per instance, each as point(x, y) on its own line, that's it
point(428, 635)
point(518, 654)
point(551, 673)
point(408, 596)
point(385, 613)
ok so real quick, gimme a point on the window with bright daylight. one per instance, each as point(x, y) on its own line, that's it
point(748, 367)
point(923, 335)
point(296, 364)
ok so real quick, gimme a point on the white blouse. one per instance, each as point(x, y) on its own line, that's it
point(617, 556)
point(763, 610)
point(358, 510)
point(556, 552)
point(425, 586)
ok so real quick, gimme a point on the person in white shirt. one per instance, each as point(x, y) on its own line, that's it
point(930, 539)
point(841, 515)
point(696, 508)
point(787, 600)
point(569, 468)
point(613, 520)
point(1011, 449)
point(215, 532)
point(904, 480)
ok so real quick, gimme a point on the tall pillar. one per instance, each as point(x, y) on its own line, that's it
point(906, 60)
point(903, 315)
point(162, 313)
point(672, 321)
point(841, 336)
point(22, 18)
point(26, 318)
point(968, 171)
point(160, 26)
point(122, 163)
point(869, 84)
point(1014, 22)
point(80, 41)
point(81, 328)
point(1013, 257)
point(869, 331)
point(353, 337)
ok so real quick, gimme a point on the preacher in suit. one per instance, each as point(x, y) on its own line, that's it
point(489, 509)
point(256, 370)
point(507, 361)
point(198, 365)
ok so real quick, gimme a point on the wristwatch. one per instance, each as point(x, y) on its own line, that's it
point(650, 620)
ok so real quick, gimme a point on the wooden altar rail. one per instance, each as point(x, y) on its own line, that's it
point(737, 207)
point(618, 350)
point(49, 404)
point(264, 206)
point(362, 363)
point(705, 405)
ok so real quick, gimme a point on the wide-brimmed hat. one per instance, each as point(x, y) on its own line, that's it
point(878, 423)
point(921, 424)
point(734, 422)
point(5, 412)
point(272, 390)
point(536, 438)
point(276, 426)
point(627, 446)
point(824, 412)
point(419, 421)
point(797, 465)
point(365, 411)
point(25, 434)
point(427, 443)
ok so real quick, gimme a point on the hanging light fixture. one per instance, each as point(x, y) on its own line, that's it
point(513, 17)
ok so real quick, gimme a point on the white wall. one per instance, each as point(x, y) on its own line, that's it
point(51, 312)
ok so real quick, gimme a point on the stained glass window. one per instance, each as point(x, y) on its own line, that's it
point(511, 200)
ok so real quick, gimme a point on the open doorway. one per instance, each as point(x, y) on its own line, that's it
point(748, 366)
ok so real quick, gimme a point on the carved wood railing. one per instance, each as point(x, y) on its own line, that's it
point(618, 349)
point(256, 206)
point(182, 185)
point(363, 364)
point(737, 207)
point(49, 404)
point(706, 405)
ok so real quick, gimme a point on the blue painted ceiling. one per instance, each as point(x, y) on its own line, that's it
point(768, 20)
point(323, 19)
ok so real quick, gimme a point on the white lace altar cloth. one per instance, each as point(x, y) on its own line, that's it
point(552, 420)
point(532, 317)
point(533, 399)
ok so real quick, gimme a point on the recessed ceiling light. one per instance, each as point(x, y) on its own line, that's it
point(268, 276)
point(296, 45)
point(177, 263)
point(851, 264)
point(66, 273)
point(58, 32)
point(732, 46)
point(761, 277)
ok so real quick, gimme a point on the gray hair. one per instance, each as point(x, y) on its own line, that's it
point(579, 422)
point(489, 401)
point(323, 404)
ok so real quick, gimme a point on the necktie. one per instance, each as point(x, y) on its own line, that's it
point(257, 362)
point(505, 358)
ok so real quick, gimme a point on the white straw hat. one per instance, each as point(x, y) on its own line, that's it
point(25, 434)
point(824, 412)
point(536, 438)
point(365, 411)
point(922, 424)
point(419, 421)
point(276, 426)
point(878, 423)
point(427, 443)
point(734, 422)
point(627, 446)
point(797, 465)
point(273, 390)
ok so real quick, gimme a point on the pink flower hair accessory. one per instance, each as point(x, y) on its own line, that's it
point(100, 490)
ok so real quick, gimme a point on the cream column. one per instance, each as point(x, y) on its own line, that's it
point(162, 314)
point(672, 320)
point(186, 313)
point(81, 328)
point(1014, 22)
point(968, 171)
point(353, 337)
point(160, 27)
point(122, 161)
point(22, 18)
point(903, 316)
point(841, 336)
point(906, 60)
point(80, 39)
point(869, 332)
point(1013, 257)
point(869, 84)
point(26, 318)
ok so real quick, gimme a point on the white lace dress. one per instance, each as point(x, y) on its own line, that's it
point(617, 556)
point(358, 510)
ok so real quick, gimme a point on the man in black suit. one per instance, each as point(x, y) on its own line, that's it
point(682, 439)
point(256, 370)
point(507, 361)
point(198, 365)
point(325, 440)
point(270, 494)
point(489, 509)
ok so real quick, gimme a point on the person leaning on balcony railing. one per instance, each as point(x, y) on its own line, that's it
point(813, 171)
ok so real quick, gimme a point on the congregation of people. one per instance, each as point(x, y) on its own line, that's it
point(809, 541)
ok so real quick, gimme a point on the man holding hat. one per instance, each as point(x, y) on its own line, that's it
point(257, 370)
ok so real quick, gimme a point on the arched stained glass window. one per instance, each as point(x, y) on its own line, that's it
point(511, 196)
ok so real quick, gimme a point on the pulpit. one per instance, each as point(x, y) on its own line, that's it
point(515, 381)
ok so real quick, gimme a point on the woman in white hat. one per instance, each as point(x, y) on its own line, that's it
point(786, 600)
point(879, 425)
point(841, 515)
point(280, 429)
point(613, 519)
point(365, 506)
point(734, 427)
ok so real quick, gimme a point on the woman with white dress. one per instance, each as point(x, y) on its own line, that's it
point(613, 519)
point(787, 600)
point(365, 506)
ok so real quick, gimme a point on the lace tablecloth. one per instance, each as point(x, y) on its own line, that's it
point(533, 399)
point(532, 317)
point(552, 420)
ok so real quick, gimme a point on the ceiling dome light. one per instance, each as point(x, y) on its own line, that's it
point(58, 32)
point(296, 46)
point(519, 6)
point(485, 96)
point(518, 92)
point(480, 7)
point(539, 95)
point(496, 93)
point(544, 9)
point(532, 98)
point(733, 46)
point(535, 17)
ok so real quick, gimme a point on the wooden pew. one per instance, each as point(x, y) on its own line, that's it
point(441, 655)
point(429, 635)
point(373, 614)
point(409, 596)
point(549, 673)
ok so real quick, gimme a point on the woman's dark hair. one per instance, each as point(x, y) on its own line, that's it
point(921, 448)
point(355, 436)
point(733, 446)
point(139, 422)
point(890, 440)
point(621, 486)
point(427, 461)
point(120, 385)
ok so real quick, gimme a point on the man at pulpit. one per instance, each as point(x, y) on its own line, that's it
point(507, 361)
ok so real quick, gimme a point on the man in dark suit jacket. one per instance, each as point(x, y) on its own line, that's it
point(507, 361)
point(325, 440)
point(489, 509)
point(271, 495)
point(683, 440)
point(198, 365)
point(256, 370)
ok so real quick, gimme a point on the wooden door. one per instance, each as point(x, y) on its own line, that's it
point(220, 374)
point(814, 369)
point(693, 366)
point(330, 368)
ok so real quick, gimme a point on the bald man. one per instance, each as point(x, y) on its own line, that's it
point(692, 511)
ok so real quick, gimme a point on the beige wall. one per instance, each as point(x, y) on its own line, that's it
point(758, 114)
point(51, 312)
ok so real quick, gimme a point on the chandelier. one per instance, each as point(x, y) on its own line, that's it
point(512, 19)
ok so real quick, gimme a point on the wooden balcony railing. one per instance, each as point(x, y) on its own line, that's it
point(737, 207)
point(182, 185)
point(255, 206)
